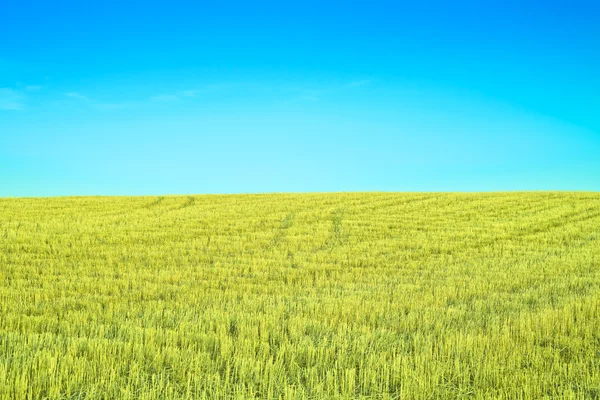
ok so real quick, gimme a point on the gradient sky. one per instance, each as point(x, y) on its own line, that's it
point(132, 97)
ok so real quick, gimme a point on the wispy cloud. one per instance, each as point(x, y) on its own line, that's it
point(33, 88)
point(165, 97)
point(189, 93)
point(220, 86)
point(194, 92)
point(115, 106)
point(11, 100)
point(362, 82)
point(76, 95)
point(318, 93)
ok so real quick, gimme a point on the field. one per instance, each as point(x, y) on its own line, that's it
point(324, 296)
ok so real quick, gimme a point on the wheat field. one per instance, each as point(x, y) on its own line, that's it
point(286, 296)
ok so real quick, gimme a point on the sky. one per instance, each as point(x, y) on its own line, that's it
point(148, 98)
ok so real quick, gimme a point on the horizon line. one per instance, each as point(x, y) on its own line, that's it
point(301, 193)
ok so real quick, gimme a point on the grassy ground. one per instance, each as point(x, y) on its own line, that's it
point(379, 295)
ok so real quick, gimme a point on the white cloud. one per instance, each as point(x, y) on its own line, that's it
point(115, 106)
point(189, 93)
point(219, 86)
point(324, 92)
point(76, 95)
point(33, 88)
point(11, 100)
point(182, 94)
point(359, 83)
point(175, 96)
point(165, 97)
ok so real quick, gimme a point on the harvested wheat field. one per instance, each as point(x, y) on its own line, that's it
point(320, 296)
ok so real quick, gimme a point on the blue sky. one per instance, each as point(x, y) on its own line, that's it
point(133, 98)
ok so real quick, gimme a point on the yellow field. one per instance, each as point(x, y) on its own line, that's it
point(366, 295)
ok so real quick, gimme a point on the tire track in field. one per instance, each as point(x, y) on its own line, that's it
point(395, 202)
point(155, 203)
point(514, 234)
point(337, 236)
point(552, 225)
point(281, 232)
point(189, 203)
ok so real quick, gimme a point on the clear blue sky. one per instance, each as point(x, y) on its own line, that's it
point(132, 97)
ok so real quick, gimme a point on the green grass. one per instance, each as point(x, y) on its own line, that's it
point(366, 295)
